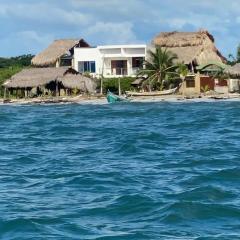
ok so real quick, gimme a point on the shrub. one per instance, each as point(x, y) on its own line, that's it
point(6, 73)
point(112, 84)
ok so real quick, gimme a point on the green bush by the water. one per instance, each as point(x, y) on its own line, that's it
point(112, 84)
point(21, 61)
point(11, 66)
point(6, 73)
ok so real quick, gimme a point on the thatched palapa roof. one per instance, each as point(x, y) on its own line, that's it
point(78, 81)
point(36, 77)
point(58, 48)
point(190, 46)
point(233, 71)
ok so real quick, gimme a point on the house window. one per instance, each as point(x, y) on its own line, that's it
point(119, 67)
point(190, 83)
point(87, 66)
point(137, 62)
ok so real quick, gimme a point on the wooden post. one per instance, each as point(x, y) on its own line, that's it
point(5, 93)
point(119, 86)
point(57, 88)
point(25, 93)
point(101, 86)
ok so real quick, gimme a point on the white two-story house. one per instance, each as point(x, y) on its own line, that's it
point(111, 60)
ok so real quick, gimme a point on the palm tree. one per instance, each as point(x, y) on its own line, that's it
point(182, 72)
point(159, 66)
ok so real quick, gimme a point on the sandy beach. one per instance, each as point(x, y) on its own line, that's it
point(102, 99)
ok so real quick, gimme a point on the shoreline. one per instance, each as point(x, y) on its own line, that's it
point(102, 99)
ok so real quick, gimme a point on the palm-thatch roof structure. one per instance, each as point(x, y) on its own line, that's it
point(78, 81)
point(37, 77)
point(197, 47)
point(56, 50)
point(233, 71)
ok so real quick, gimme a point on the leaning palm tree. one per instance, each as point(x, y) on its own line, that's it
point(159, 66)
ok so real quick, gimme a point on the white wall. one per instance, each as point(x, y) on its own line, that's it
point(233, 85)
point(103, 55)
point(87, 54)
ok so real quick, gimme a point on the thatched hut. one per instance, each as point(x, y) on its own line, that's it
point(195, 48)
point(78, 81)
point(198, 52)
point(233, 73)
point(59, 53)
point(51, 79)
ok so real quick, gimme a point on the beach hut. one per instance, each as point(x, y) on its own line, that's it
point(49, 81)
point(234, 77)
point(59, 53)
point(193, 49)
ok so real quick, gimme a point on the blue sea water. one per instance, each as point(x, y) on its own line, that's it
point(121, 171)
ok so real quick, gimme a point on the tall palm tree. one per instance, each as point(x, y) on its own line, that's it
point(159, 66)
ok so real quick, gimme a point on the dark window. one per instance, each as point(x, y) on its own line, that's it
point(137, 62)
point(66, 62)
point(93, 67)
point(190, 83)
point(87, 66)
point(119, 67)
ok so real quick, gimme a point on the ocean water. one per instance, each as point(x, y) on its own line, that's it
point(121, 171)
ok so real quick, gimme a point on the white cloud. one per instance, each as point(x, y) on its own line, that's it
point(111, 33)
point(118, 21)
point(44, 12)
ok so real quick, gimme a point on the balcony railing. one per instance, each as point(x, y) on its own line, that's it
point(120, 71)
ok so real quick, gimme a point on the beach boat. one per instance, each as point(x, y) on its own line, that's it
point(151, 94)
point(113, 98)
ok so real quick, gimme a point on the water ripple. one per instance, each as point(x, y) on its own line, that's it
point(124, 171)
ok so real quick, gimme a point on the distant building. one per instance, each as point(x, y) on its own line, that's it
point(111, 60)
point(59, 53)
point(192, 48)
point(198, 51)
point(59, 81)
point(234, 77)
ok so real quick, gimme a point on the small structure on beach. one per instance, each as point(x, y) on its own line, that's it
point(198, 52)
point(192, 48)
point(234, 77)
point(49, 81)
point(59, 53)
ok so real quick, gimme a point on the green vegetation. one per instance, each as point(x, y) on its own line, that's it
point(232, 60)
point(6, 73)
point(160, 69)
point(112, 84)
point(11, 66)
point(20, 61)
point(205, 89)
point(160, 72)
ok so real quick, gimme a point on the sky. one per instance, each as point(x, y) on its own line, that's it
point(28, 26)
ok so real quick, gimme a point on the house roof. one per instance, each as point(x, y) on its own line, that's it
point(36, 77)
point(58, 48)
point(79, 82)
point(233, 71)
point(190, 46)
